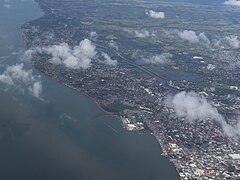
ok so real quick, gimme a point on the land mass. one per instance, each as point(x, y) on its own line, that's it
point(131, 91)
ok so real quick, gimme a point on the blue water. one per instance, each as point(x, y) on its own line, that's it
point(66, 135)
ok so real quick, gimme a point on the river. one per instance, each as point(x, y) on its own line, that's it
point(66, 135)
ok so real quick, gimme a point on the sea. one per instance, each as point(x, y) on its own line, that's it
point(64, 135)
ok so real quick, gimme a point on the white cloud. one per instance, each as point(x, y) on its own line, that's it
point(189, 36)
point(77, 57)
point(6, 79)
point(203, 38)
point(228, 41)
point(233, 41)
point(142, 33)
point(36, 89)
point(72, 57)
point(17, 73)
point(113, 44)
point(154, 14)
point(107, 60)
point(18, 77)
point(7, 6)
point(159, 59)
point(192, 37)
point(27, 56)
point(93, 36)
point(232, 2)
point(193, 107)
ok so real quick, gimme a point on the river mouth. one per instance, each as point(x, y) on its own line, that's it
point(66, 136)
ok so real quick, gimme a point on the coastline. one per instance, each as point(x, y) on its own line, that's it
point(122, 93)
point(106, 113)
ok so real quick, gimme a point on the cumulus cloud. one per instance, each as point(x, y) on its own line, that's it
point(7, 6)
point(192, 37)
point(76, 57)
point(228, 41)
point(159, 59)
point(93, 36)
point(108, 60)
point(113, 44)
point(27, 56)
point(154, 14)
point(36, 89)
point(189, 36)
point(232, 2)
point(233, 41)
point(142, 33)
point(72, 57)
point(18, 77)
point(204, 39)
point(193, 107)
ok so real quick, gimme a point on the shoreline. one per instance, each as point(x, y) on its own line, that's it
point(163, 152)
